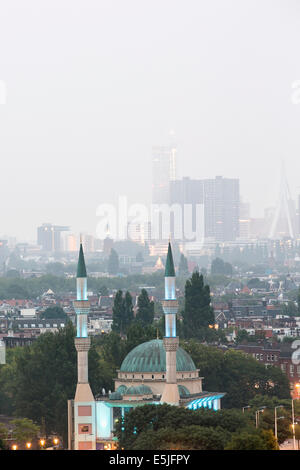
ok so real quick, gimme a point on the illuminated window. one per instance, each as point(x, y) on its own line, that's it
point(85, 428)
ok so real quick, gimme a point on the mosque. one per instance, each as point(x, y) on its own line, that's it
point(155, 372)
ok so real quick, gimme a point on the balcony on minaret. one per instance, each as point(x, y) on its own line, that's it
point(170, 306)
point(81, 306)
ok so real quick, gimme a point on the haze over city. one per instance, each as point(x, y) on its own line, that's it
point(92, 86)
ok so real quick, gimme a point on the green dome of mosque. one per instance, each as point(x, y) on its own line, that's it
point(122, 389)
point(183, 391)
point(151, 357)
point(139, 390)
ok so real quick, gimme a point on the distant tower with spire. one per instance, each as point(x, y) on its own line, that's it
point(284, 211)
point(170, 393)
point(84, 402)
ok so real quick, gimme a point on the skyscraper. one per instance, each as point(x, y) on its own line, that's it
point(221, 208)
point(245, 220)
point(163, 171)
point(221, 199)
point(48, 237)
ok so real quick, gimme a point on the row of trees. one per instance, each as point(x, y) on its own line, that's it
point(165, 427)
point(194, 320)
point(123, 315)
point(220, 267)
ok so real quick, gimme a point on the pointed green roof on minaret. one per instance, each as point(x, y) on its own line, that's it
point(81, 269)
point(169, 271)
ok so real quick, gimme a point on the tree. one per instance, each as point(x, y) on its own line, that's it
point(117, 314)
point(256, 283)
point(122, 312)
point(218, 266)
point(113, 262)
point(198, 313)
point(128, 310)
point(24, 430)
point(54, 312)
point(145, 312)
point(242, 337)
point(255, 440)
point(44, 377)
point(13, 273)
point(144, 428)
point(57, 269)
point(267, 418)
point(290, 309)
point(112, 349)
point(184, 438)
point(237, 374)
point(137, 334)
point(3, 436)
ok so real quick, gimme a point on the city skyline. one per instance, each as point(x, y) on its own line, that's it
point(222, 203)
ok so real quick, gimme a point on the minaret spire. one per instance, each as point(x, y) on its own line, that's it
point(171, 341)
point(84, 393)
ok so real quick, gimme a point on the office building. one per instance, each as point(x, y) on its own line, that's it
point(49, 237)
point(220, 198)
point(163, 171)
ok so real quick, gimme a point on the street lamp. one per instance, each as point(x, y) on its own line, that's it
point(275, 417)
point(293, 425)
point(56, 441)
point(28, 445)
point(261, 410)
point(244, 407)
point(297, 386)
point(42, 443)
point(14, 447)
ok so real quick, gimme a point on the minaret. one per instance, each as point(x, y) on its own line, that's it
point(170, 306)
point(84, 402)
point(82, 341)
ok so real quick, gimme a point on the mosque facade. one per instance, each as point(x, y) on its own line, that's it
point(155, 372)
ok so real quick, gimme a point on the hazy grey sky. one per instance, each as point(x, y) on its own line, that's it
point(93, 85)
